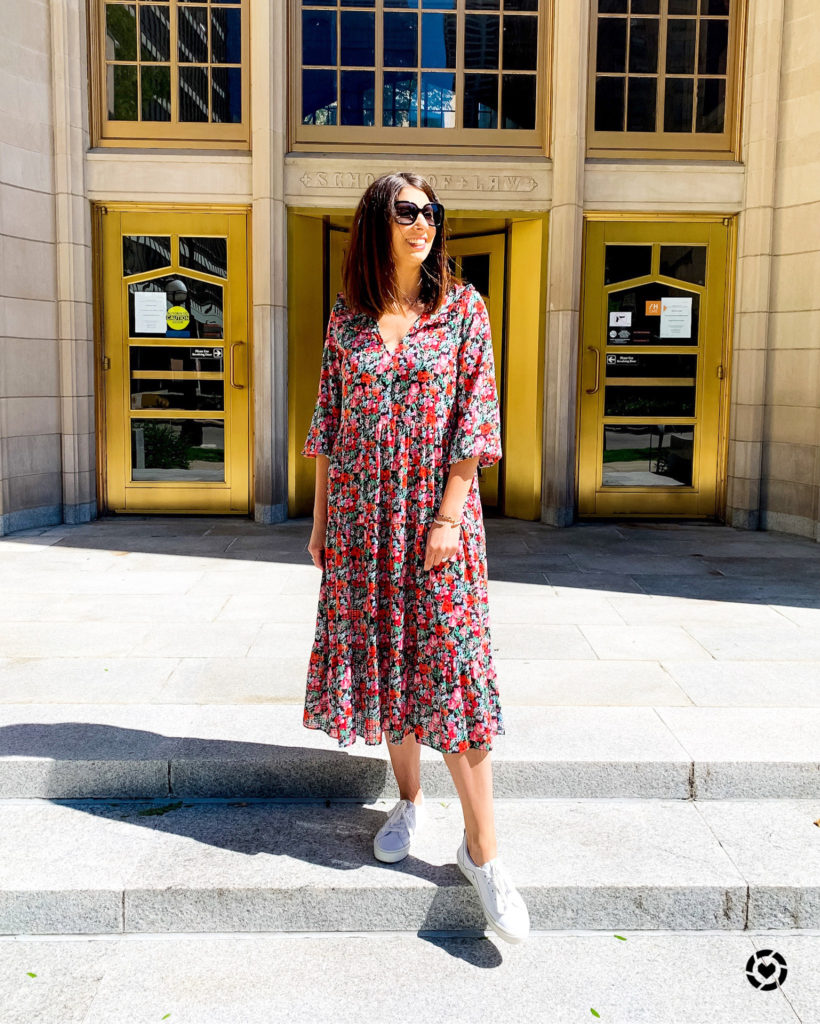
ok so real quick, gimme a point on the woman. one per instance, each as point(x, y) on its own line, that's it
point(406, 411)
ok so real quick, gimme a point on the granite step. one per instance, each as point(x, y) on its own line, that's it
point(84, 751)
point(180, 866)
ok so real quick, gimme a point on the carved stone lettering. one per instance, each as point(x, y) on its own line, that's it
point(347, 180)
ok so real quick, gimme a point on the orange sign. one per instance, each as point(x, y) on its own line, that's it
point(653, 308)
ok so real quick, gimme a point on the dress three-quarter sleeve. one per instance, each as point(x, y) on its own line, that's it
point(324, 424)
point(478, 423)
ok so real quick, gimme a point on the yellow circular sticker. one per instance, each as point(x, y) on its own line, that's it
point(177, 318)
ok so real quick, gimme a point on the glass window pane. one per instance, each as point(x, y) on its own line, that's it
point(438, 40)
point(680, 46)
point(483, 5)
point(177, 359)
point(609, 104)
point(714, 40)
point(647, 456)
point(611, 45)
point(318, 37)
point(449, 5)
point(683, 6)
point(178, 394)
point(665, 366)
point(711, 105)
point(193, 94)
point(358, 97)
point(122, 92)
point(612, 6)
point(207, 255)
point(481, 40)
point(624, 262)
point(640, 111)
point(145, 252)
point(714, 6)
point(643, 400)
point(155, 33)
point(685, 262)
point(517, 5)
point(520, 43)
point(475, 268)
point(400, 102)
point(358, 41)
point(481, 101)
point(644, 304)
point(226, 36)
point(518, 101)
point(201, 300)
point(318, 97)
point(643, 45)
point(177, 449)
point(400, 40)
point(677, 112)
point(645, 6)
point(121, 31)
point(156, 93)
point(193, 35)
point(354, 3)
point(438, 99)
point(387, 3)
point(226, 95)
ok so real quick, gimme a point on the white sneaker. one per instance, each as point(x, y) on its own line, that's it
point(392, 841)
point(503, 906)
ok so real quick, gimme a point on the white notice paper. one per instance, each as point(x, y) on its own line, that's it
point(676, 317)
point(149, 312)
point(620, 319)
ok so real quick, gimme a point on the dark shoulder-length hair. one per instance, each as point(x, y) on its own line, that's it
point(369, 271)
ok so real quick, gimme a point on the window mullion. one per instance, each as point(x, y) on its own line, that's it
point(378, 75)
point(660, 100)
point(460, 40)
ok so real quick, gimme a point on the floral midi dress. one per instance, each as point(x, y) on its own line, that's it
point(398, 648)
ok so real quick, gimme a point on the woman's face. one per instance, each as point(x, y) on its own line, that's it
point(412, 242)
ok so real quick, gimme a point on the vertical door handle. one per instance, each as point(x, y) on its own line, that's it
point(233, 369)
point(594, 389)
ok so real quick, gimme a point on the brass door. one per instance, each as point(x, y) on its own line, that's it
point(652, 378)
point(479, 260)
point(175, 361)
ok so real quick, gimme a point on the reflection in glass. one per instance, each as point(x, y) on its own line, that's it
point(226, 36)
point(640, 111)
point(438, 40)
point(207, 255)
point(645, 6)
point(481, 101)
point(714, 6)
point(677, 111)
point(683, 6)
point(481, 41)
point(518, 101)
point(711, 105)
point(400, 40)
point(177, 358)
point(145, 252)
point(121, 31)
point(202, 300)
point(520, 44)
point(612, 6)
point(475, 268)
point(191, 395)
point(187, 449)
point(680, 46)
point(609, 104)
point(358, 97)
point(645, 400)
point(685, 262)
point(515, 5)
point(318, 37)
point(611, 54)
point(156, 93)
point(155, 33)
point(226, 95)
point(192, 44)
point(400, 103)
point(193, 94)
point(645, 328)
point(438, 99)
point(358, 42)
point(623, 262)
point(318, 97)
point(122, 92)
point(643, 45)
point(714, 42)
point(654, 455)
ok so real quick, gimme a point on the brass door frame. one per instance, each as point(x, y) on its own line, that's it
point(706, 497)
point(117, 493)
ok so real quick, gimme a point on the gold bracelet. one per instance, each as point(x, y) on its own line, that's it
point(449, 519)
point(439, 522)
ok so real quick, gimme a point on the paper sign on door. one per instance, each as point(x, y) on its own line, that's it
point(149, 312)
point(676, 317)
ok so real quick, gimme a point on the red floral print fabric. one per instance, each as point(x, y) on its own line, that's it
point(397, 648)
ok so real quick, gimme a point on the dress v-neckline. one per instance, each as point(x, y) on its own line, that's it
point(401, 340)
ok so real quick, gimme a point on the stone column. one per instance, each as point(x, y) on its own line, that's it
point(269, 59)
point(754, 262)
point(569, 98)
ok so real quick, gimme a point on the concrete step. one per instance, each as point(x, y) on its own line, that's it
point(67, 751)
point(625, 978)
point(262, 865)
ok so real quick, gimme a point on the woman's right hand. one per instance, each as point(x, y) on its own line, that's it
point(316, 544)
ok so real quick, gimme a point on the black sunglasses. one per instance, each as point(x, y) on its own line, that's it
point(406, 212)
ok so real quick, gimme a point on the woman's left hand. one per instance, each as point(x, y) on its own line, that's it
point(442, 544)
